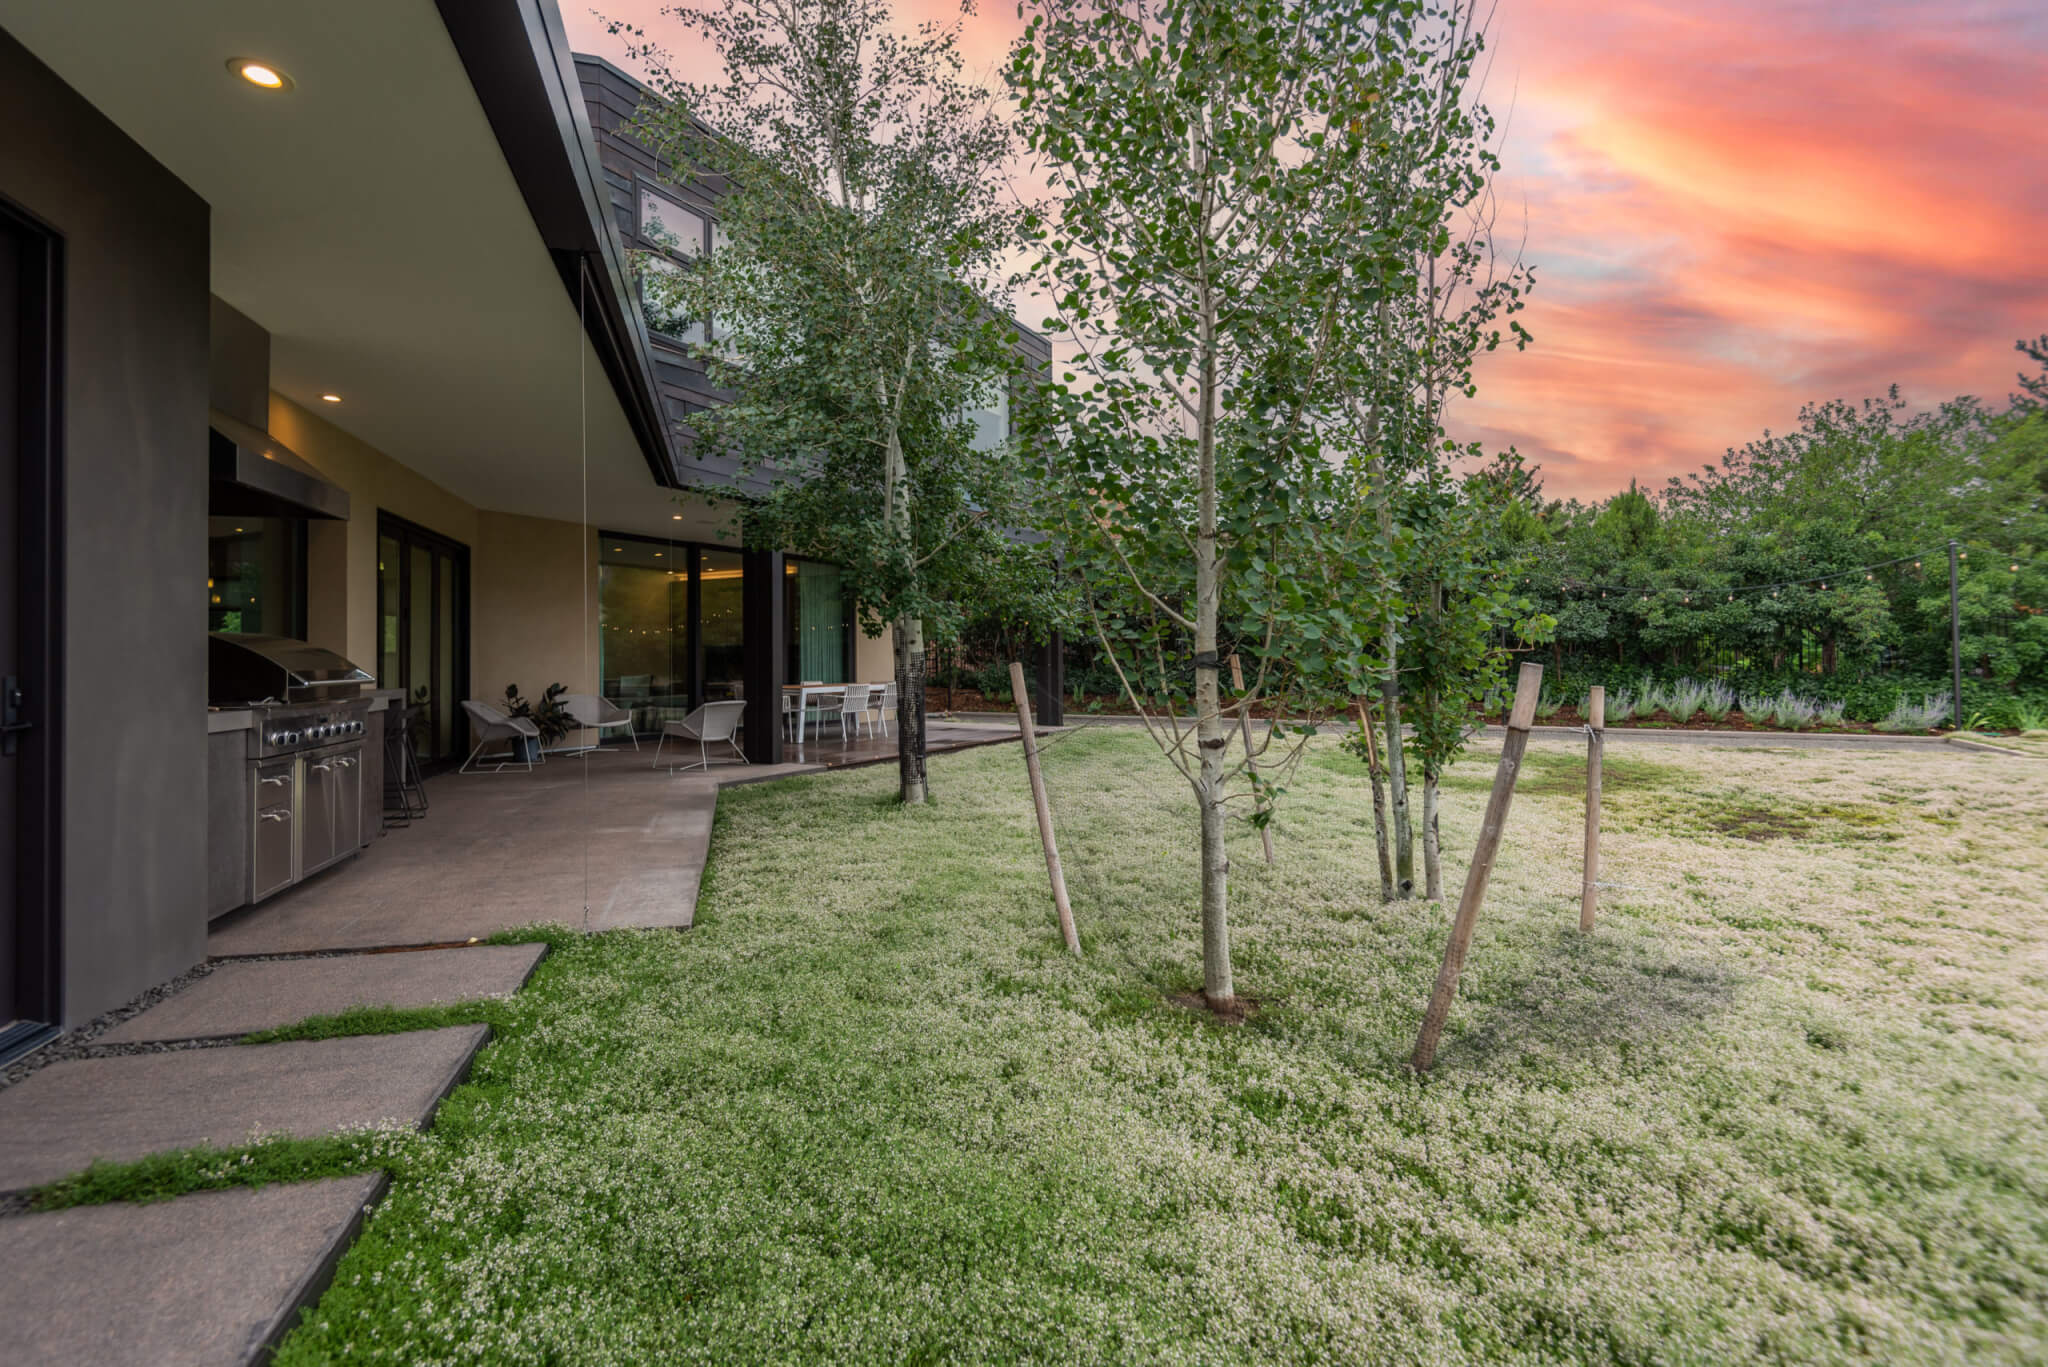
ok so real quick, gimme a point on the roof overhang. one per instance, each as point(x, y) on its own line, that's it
point(418, 222)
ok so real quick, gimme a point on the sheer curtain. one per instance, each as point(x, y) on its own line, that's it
point(821, 623)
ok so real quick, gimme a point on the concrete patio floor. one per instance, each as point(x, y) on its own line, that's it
point(596, 843)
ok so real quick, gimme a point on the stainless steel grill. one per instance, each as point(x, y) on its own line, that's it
point(304, 804)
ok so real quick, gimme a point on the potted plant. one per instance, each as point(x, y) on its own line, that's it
point(548, 716)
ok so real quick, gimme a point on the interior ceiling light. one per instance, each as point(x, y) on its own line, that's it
point(259, 73)
point(330, 398)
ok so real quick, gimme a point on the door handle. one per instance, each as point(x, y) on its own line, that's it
point(11, 724)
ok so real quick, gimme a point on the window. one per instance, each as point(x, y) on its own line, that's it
point(991, 418)
point(820, 639)
point(676, 236)
point(256, 575)
point(661, 304)
point(670, 226)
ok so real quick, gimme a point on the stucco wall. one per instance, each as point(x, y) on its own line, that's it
point(132, 634)
point(533, 605)
point(341, 557)
point(874, 657)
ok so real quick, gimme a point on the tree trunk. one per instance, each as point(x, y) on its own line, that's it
point(1390, 706)
point(1397, 770)
point(1211, 739)
point(1379, 805)
point(910, 673)
point(1432, 869)
point(910, 660)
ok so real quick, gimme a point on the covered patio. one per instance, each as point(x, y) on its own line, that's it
point(596, 841)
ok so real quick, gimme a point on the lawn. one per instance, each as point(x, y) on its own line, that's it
point(1785, 1104)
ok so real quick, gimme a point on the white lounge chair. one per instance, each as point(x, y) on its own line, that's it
point(712, 724)
point(592, 713)
point(494, 725)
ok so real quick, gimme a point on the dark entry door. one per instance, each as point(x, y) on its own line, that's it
point(423, 631)
point(28, 298)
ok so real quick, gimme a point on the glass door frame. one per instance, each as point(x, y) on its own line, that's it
point(691, 554)
point(441, 550)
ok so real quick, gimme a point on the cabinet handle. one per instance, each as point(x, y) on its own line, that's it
point(322, 767)
point(283, 780)
point(279, 815)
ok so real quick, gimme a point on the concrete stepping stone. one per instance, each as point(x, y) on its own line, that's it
point(58, 1120)
point(237, 998)
point(216, 1277)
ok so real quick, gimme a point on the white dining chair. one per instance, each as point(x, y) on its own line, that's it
point(885, 707)
point(853, 709)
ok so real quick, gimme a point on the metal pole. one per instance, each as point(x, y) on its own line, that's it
point(1955, 634)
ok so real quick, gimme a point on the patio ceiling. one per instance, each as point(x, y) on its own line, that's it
point(367, 217)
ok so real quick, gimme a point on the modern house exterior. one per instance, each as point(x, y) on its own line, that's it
point(328, 313)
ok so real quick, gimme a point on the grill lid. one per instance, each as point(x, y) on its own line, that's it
point(246, 667)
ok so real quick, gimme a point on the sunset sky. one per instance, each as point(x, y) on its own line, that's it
point(1733, 208)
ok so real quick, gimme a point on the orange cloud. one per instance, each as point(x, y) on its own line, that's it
point(1733, 209)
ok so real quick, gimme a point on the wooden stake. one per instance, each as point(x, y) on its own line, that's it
point(1052, 849)
point(1244, 717)
point(1596, 743)
point(1511, 749)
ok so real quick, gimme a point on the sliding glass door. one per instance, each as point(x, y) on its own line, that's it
point(423, 630)
point(671, 625)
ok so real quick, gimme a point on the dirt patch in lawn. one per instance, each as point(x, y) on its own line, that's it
point(1757, 819)
point(1240, 1009)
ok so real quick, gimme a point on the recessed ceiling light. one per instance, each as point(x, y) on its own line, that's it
point(330, 398)
point(259, 73)
point(675, 517)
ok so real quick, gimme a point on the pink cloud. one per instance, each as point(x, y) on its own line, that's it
point(1733, 209)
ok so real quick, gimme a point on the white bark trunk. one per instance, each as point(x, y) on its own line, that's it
point(1432, 868)
point(1212, 740)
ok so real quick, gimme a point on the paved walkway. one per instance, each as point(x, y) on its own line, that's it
point(596, 843)
point(219, 1277)
point(213, 1278)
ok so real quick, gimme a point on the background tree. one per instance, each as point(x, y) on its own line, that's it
point(856, 307)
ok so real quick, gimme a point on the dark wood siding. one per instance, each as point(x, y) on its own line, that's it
point(682, 386)
point(613, 100)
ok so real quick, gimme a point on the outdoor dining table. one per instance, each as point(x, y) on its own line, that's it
point(825, 696)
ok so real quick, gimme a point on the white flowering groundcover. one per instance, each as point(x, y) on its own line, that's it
point(1785, 1104)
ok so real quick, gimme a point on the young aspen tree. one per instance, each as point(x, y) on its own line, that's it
point(1434, 169)
point(1212, 162)
point(855, 303)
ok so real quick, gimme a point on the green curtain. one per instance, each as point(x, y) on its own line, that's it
point(821, 623)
